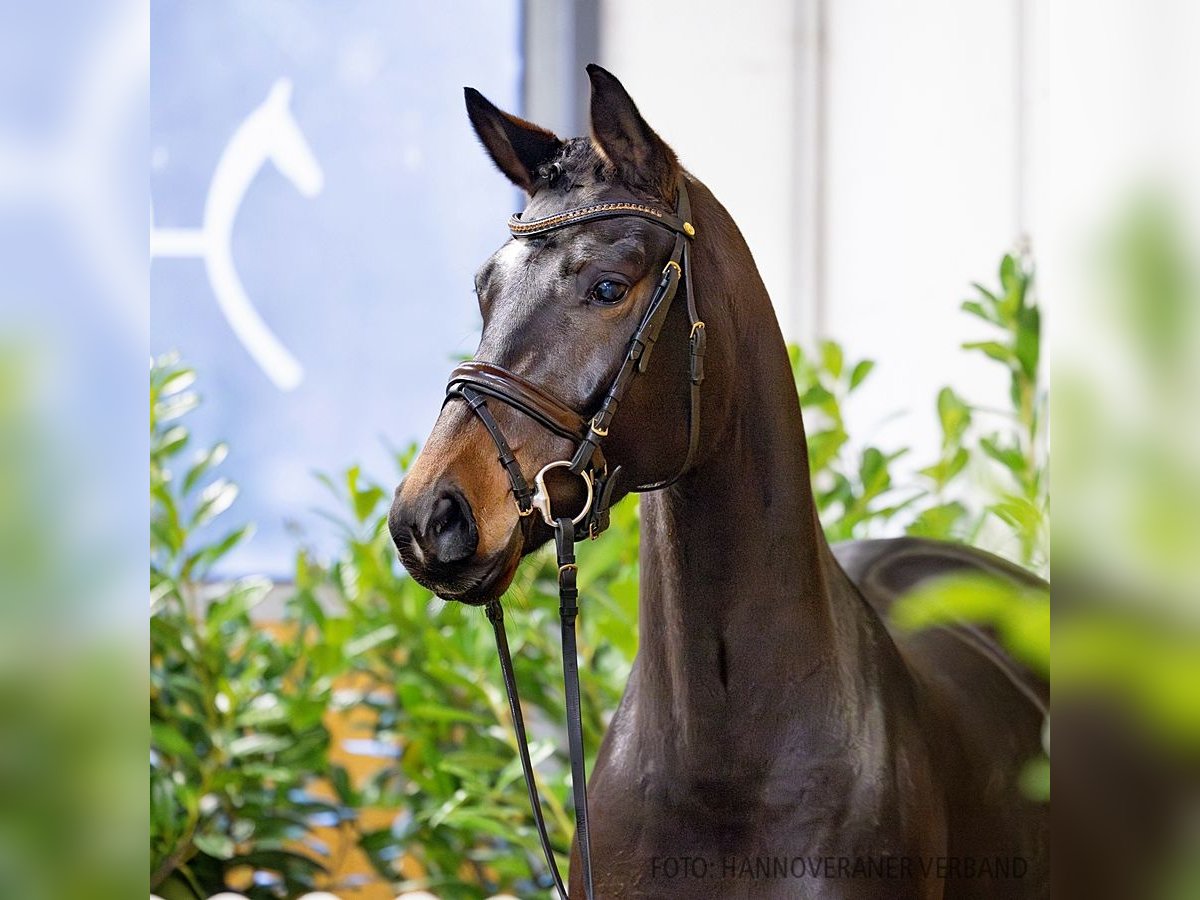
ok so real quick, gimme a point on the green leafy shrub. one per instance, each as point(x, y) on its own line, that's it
point(1009, 452)
point(428, 672)
point(1009, 460)
point(236, 710)
point(239, 745)
point(240, 748)
point(992, 465)
point(854, 496)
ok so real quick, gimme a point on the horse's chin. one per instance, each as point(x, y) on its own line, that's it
point(485, 588)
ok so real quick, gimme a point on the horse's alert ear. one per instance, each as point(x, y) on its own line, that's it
point(621, 135)
point(517, 147)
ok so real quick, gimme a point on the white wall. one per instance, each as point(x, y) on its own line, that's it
point(714, 78)
point(896, 132)
point(922, 193)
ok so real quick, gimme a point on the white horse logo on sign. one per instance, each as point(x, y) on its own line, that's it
point(271, 133)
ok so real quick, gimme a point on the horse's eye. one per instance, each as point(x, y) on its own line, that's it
point(608, 291)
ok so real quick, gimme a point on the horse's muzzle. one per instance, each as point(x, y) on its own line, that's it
point(437, 538)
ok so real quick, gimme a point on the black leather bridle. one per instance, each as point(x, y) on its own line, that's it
point(477, 382)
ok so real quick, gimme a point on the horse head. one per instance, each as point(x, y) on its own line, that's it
point(559, 310)
point(287, 146)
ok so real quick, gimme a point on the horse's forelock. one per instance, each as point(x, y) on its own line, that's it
point(582, 175)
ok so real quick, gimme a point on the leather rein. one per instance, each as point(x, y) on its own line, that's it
point(478, 382)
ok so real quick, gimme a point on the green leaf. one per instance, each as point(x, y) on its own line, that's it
point(166, 739)
point(1024, 518)
point(1028, 341)
point(205, 462)
point(860, 373)
point(258, 745)
point(177, 381)
point(242, 597)
point(173, 407)
point(816, 396)
point(947, 468)
point(954, 415)
point(365, 502)
point(873, 472)
point(372, 639)
point(1009, 273)
point(985, 293)
point(214, 500)
point(216, 845)
point(435, 712)
point(823, 448)
point(957, 463)
point(832, 358)
point(171, 441)
point(939, 521)
point(980, 311)
point(994, 349)
point(1021, 614)
point(202, 560)
point(1009, 457)
point(405, 457)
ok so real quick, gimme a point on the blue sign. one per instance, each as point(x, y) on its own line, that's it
point(320, 204)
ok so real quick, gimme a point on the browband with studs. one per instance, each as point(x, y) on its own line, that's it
point(618, 209)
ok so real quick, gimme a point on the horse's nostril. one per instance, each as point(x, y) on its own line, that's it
point(449, 534)
point(445, 514)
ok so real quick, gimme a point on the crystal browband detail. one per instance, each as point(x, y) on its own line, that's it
point(583, 213)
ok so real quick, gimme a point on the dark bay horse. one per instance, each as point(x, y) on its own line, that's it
point(775, 738)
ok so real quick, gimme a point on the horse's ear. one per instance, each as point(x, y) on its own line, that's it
point(517, 147)
point(621, 135)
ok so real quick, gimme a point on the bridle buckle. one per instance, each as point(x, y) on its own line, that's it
point(541, 497)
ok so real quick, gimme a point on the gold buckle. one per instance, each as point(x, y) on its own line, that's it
point(696, 326)
point(671, 262)
point(600, 432)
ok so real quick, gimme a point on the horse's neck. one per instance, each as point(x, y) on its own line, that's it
point(744, 615)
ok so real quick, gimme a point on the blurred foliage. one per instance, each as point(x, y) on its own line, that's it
point(992, 464)
point(241, 773)
point(69, 752)
point(235, 709)
point(428, 673)
point(1128, 538)
point(854, 491)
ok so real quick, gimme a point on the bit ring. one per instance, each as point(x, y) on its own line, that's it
point(541, 497)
